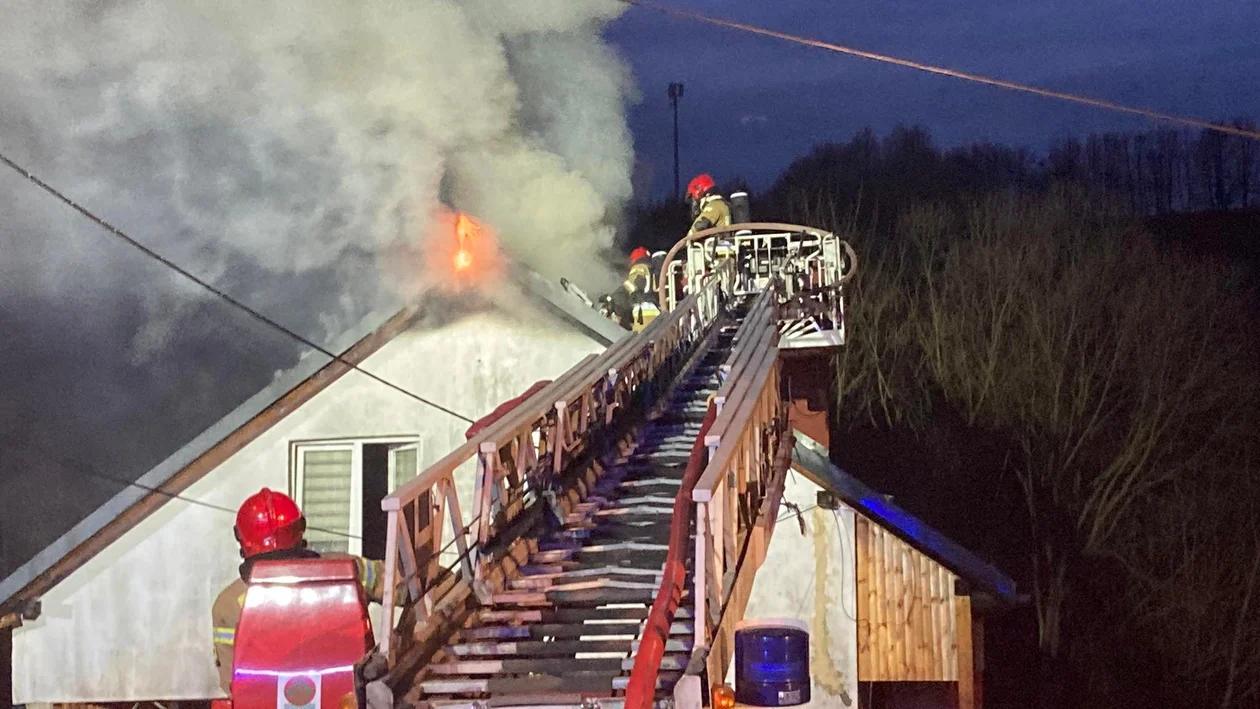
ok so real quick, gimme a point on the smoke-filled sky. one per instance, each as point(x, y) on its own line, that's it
point(287, 151)
point(751, 104)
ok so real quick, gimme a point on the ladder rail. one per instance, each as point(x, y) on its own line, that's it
point(540, 435)
point(737, 497)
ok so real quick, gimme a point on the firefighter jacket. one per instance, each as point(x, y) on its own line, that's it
point(635, 301)
point(644, 312)
point(226, 610)
point(714, 211)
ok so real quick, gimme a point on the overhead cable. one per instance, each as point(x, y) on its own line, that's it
point(943, 71)
point(78, 466)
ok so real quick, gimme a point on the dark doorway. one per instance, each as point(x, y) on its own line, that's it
point(375, 488)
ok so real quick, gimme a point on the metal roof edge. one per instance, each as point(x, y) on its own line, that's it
point(569, 306)
point(813, 457)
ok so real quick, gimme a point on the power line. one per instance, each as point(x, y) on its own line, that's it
point(216, 291)
point(67, 463)
point(1014, 86)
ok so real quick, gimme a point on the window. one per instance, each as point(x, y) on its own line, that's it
point(340, 484)
point(325, 491)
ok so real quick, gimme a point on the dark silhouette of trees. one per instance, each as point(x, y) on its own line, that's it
point(1122, 379)
point(1161, 171)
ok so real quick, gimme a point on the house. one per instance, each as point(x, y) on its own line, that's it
point(895, 609)
point(125, 594)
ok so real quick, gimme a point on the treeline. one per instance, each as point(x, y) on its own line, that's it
point(1163, 171)
point(868, 180)
point(1155, 172)
point(1109, 385)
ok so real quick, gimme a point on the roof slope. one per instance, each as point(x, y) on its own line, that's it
point(229, 434)
point(811, 458)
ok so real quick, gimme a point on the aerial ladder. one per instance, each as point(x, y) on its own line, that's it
point(594, 542)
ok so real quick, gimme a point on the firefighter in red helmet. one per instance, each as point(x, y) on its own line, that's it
point(708, 207)
point(270, 526)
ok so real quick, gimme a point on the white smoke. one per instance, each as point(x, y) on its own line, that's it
point(283, 149)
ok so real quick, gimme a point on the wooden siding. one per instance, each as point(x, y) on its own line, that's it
point(907, 612)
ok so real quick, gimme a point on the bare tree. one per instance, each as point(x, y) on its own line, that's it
point(1244, 156)
point(1195, 565)
point(1113, 367)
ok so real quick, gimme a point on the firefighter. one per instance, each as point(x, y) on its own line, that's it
point(634, 304)
point(269, 526)
point(639, 254)
point(641, 285)
point(708, 207)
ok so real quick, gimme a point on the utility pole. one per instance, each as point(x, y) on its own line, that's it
point(675, 93)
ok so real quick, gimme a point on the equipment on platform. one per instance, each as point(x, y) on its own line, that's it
point(807, 268)
point(573, 289)
point(827, 500)
point(772, 662)
point(606, 307)
point(740, 210)
point(304, 626)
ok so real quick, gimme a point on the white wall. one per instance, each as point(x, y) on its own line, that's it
point(134, 622)
point(814, 578)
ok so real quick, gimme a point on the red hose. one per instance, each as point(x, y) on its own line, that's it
point(503, 410)
point(641, 690)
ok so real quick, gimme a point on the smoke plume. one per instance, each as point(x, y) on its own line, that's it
point(295, 154)
point(268, 143)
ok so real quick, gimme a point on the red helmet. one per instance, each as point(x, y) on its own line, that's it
point(638, 254)
point(699, 185)
point(268, 521)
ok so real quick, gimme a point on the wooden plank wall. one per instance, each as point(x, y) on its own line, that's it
point(907, 624)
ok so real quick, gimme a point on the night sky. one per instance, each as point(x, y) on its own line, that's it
point(754, 103)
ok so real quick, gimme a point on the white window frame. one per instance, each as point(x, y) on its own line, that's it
point(391, 468)
point(297, 455)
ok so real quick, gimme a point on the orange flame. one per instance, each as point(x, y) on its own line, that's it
point(465, 229)
point(463, 260)
point(468, 260)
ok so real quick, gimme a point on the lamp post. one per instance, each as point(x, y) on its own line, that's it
point(675, 93)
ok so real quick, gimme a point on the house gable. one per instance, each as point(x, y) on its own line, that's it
point(172, 476)
point(132, 621)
